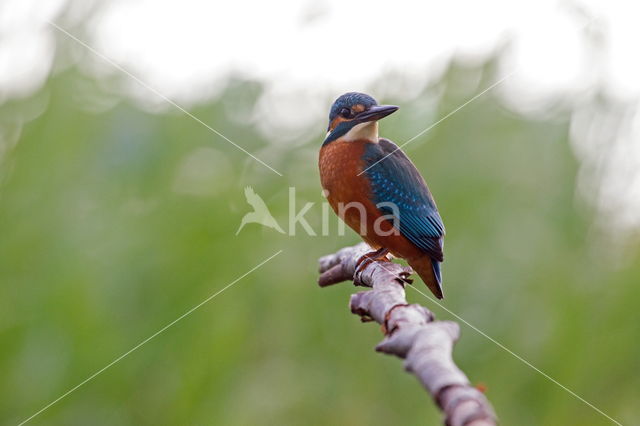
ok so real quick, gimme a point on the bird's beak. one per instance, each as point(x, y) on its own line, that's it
point(375, 113)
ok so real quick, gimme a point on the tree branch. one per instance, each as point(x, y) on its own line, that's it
point(411, 333)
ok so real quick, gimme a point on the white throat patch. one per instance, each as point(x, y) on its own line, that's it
point(367, 131)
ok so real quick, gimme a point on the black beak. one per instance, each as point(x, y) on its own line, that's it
point(375, 113)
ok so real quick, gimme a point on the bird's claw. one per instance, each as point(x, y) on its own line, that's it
point(379, 255)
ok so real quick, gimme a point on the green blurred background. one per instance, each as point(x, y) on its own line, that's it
point(115, 222)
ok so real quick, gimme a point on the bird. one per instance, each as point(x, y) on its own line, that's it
point(378, 192)
point(260, 213)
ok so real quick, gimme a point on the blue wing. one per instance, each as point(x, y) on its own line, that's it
point(396, 181)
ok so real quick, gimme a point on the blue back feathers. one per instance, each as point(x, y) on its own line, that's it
point(395, 180)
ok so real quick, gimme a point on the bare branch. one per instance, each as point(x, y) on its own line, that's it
point(411, 333)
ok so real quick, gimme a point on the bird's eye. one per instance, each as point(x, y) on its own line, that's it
point(345, 112)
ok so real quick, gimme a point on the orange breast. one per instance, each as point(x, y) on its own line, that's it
point(350, 197)
point(347, 193)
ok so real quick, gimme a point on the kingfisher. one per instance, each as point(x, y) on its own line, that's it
point(376, 189)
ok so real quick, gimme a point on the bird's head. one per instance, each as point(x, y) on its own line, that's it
point(355, 115)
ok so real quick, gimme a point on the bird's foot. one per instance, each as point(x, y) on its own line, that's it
point(379, 255)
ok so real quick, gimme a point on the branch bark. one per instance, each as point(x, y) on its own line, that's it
point(411, 333)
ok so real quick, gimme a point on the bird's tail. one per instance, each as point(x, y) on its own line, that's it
point(429, 271)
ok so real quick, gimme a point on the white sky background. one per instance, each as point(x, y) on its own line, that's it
point(308, 52)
